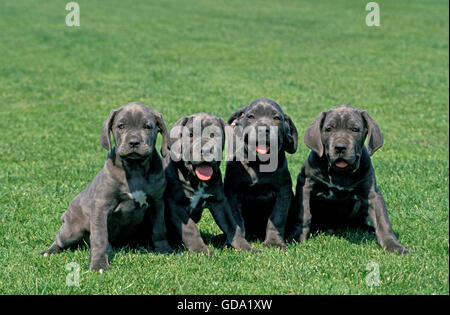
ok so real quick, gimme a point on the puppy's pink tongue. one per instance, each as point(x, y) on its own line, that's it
point(204, 172)
point(341, 164)
point(262, 150)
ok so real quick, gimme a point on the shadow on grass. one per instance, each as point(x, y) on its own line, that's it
point(145, 247)
point(352, 235)
point(217, 241)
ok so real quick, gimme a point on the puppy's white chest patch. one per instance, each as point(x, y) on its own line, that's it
point(198, 195)
point(140, 197)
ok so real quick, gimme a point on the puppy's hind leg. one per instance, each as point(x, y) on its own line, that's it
point(72, 231)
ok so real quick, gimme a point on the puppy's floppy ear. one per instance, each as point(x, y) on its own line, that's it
point(105, 138)
point(175, 144)
point(374, 136)
point(290, 142)
point(163, 130)
point(234, 119)
point(313, 135)
point(172, 137)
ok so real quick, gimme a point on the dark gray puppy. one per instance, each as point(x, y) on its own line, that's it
point(336, 186)
point(125, 199)
point(260, 199)
point(196, 183)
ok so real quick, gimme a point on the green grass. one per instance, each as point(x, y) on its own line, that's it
point(58, 84)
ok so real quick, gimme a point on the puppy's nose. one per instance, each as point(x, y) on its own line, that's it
point(340, 147)
point(134, 143)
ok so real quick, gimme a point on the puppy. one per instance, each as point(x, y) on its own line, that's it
point(195, 182)
point(336, 186)
point(126, 194)
point(258, 183)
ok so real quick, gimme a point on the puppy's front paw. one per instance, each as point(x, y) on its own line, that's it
point(303, 237)
point(393, 246)
point(99, 265)
point(275, 243)
point(210, 252)
point(206, 250)
point(203, 249)
point(240, 243)
point(273, 239)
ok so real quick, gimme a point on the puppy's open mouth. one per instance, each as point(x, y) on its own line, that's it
point(203, 172)
point(341, 163)
point(263, 149)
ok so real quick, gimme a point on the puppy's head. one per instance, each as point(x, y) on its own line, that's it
point(198, 142)
point(340, 134)
point(134, 127)
point(257, 120)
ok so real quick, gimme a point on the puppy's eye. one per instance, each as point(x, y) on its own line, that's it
point(250, 116)
point(121, 126)
point(277, 118)
point(355, 129)
point(148, 126)
point(191, 134)
point(328, 129)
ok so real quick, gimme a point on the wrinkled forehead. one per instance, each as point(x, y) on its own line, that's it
point(134, 114)
point(264, 108)
point(343, 116)
point(204, 120)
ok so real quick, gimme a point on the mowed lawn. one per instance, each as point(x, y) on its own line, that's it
point(59, 83)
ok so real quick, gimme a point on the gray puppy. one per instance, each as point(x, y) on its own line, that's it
point(195, 183)
point(125, 199)
point(336, 186)
point(260, 199)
